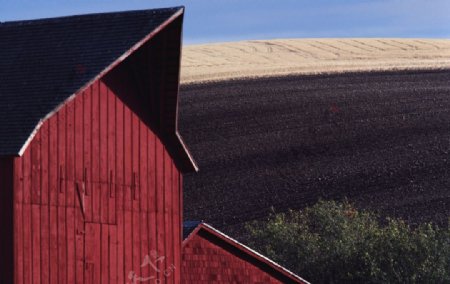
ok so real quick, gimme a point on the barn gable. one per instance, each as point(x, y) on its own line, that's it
point(209, 255)
point(90, 156)
point(45, 63)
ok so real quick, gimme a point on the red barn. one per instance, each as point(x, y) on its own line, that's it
point(209, 256)
point(90, 156)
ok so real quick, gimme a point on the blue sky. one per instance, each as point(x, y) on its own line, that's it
point(230, 20)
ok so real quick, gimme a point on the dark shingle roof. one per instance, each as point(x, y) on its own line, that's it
point(43, 62)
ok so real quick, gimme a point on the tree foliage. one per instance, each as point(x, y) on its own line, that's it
point(333, 242)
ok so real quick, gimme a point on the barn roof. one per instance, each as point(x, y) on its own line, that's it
point(44, 62)
point(227, 242)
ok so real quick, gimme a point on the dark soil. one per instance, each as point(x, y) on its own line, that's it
point(382, 140)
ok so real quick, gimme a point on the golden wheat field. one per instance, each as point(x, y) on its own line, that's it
point(259, 58)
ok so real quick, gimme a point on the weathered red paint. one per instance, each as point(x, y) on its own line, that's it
point(209, 256)
point(85, 201)
point(97, 191)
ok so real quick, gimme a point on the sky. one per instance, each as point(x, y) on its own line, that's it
point(208, 21)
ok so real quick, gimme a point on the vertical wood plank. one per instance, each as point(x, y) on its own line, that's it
point(27, 241)
point(36, 242)
point(160, 227)
point(127, 197)
point(80, 186)
point(62, 245)
point(18, 243)
point(53, 161)
point(135, 194)
point(127, 146)
point(27, 244)
point(62, 195)
point(136, 242)
point(128, 248)
point(61, 149)
point(135, 159)
point(93, 253)
point(112, 213)
point(111, 156)
point(168, 214)
point(104, 202)
point(143, 167)
point(72, 198)
point(144, 243)
point(35, 149)
point(79, 246)
point(103, 131)
point(44, 244)
point(53, 198)
point(143, 185)
point(97, 253)
point(45, 229)
point(70, 154)
point(103, 148)
point(54, 256)
point(120, 142)
point(18, 180)
point(121, 275)
point(95, 142)
point(177, 223)
point(120, 189)
point(96, 196)
point(127, 177)
point(104, 258)
point(113, 255)
point(26, 171)
point(95, 138)
point(78, 137)
point(18, 222)
point(152, 200)
point(71, 236)
point(87, 152)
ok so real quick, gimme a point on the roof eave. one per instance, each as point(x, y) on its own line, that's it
point(211, 230)
point(187, 164)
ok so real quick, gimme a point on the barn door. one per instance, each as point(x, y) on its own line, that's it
point(100, 253)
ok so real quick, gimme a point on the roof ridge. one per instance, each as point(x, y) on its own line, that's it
point(45, 63)
point(93, 15)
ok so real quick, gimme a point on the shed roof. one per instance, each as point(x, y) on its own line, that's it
point(227, 241)
point(44, 62)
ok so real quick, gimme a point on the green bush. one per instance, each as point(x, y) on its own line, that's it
point(333, 242)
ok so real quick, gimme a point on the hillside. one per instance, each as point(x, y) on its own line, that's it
point(378, 138)
point(309, 56)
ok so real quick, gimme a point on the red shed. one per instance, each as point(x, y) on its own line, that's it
point(210, 256)
point(90, 156)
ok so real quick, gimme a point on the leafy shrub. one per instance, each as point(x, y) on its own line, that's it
point(333, 242)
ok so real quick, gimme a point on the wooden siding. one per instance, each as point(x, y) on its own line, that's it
point(96, 194)
point(207, 258)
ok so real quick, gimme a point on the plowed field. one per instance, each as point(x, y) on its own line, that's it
point(382, 140)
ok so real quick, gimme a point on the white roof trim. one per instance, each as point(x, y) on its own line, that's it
point(254, 252)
